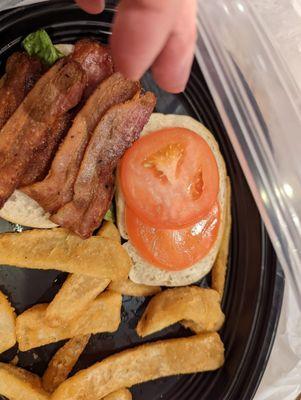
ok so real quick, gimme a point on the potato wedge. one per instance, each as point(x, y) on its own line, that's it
point(130, 288)
point(191, 303)
point(59, 249)
point(122, 394)
point(204, 352)
point(219, 270)
point(77, 292)
point(110, 231)
point(7, 324)
point(19, 384)
point(103, 315)
point(63, 362)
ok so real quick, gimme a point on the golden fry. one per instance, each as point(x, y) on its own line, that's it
point(191, 303)
point(7, 324)
point(19, 384)
point(122, 394)
point(110, 231)
point(130, 288)
point(204, 352)
point(103, 315)
point(219, 269)
point(73, 298)
point(59, 249)
point(63, 362)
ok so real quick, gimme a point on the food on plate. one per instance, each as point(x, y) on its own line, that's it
point(7, 324)
point(218, 276)
point(191, 303)
point(57, 188)
point(203, 352)
point(167, 158)
point(122, 394)
point(130, 288)
point(59, 249)
point(22, 72)
point(63, 362)
point(76, 294)
point(95, 182)
point(103, 315)
point(19, 384)
point(110, 231)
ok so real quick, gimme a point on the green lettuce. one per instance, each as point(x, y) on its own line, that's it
point(110, 215)
point(39, 44)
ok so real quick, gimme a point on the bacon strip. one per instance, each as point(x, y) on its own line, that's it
point(59, 90)
point(57, 188)
point(22, 72)
point(94, 186)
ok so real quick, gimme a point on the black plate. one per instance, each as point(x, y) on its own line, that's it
point(254, 285)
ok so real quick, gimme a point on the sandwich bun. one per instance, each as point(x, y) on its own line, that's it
point(21, 209)
point(143, 272)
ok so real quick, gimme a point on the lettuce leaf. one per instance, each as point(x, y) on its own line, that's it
point(39, 44)
point(110, 215)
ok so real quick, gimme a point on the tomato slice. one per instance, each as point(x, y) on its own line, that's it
point(173, 250)
point(170, 178)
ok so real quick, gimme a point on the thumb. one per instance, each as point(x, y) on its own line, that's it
point(92, 6)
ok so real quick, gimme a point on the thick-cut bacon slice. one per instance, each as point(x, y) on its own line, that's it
point(41, 162)
point(22, 72)
point(94, 186)
point(96, 61)
point(57, 188)
point(59, 90)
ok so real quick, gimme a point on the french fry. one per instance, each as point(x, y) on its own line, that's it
point(63, 362)
point(77, 292)
point(19, 384)
point(199, 353)
point(103, 315)
point(7, 324)
point(191, 303)
point(59, 249)
point(219, 269)
point(110, 231)
point(130, 288)
point(122, 394)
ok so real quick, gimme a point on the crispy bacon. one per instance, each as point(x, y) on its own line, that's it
point(57, 188)
point(41, 162)
point(58, 91)
point(94, 186)
point(22, 72)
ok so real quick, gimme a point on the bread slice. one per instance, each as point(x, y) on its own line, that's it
point(142, 271)
point(20, 208)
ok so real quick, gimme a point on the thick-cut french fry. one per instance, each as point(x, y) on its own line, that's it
point(63, 361)
point(103, 315)
point(130, 288)
point(7, 324)
point(59, 249)
point(191, 303)
point(219, 269)
point(110, 231)
point(122, 394)
point(204, 352)
point(73, 298)
point(19, 384)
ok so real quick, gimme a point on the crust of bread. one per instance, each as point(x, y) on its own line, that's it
point(145, 273)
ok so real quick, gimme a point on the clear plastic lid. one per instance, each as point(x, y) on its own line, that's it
point(260, 105)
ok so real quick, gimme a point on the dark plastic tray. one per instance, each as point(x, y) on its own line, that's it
point(255, 284)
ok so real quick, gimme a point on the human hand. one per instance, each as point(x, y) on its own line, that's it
point(160, 34)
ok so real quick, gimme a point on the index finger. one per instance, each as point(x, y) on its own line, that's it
point(141, 29)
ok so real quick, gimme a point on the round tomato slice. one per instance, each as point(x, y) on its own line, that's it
point(170, 178)
point(173, 250)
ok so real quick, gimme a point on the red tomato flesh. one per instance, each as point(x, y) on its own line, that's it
point(173, 250)
point(170, 178)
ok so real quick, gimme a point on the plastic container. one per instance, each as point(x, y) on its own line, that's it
point(251, 96)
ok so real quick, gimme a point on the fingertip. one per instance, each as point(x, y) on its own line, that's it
point(91, 6)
